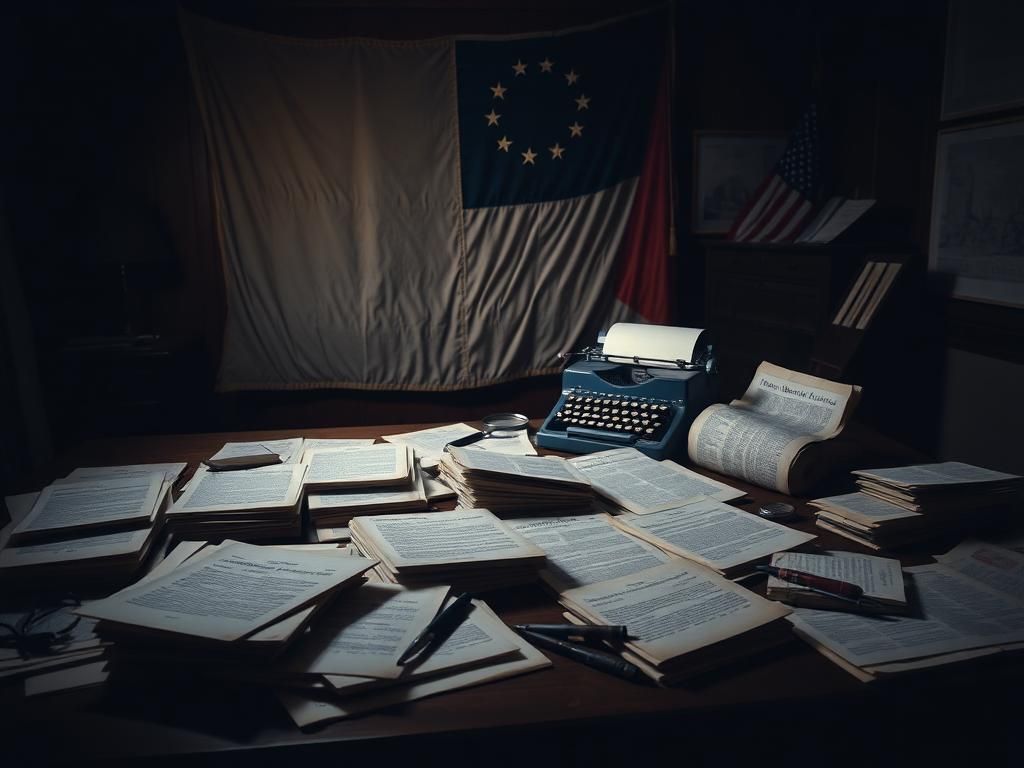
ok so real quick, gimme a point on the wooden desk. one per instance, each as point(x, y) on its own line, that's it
point(788, 704)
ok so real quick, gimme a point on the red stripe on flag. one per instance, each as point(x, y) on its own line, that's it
point(756, 232)
point(741, 219)
point(763, 211)
point(776, 226)
point(644, 272)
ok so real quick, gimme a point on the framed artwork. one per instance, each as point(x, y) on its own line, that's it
point(984, 67)
point(728, 167)
point(977, 223)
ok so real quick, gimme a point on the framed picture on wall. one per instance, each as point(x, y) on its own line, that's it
point(984, 68)
point(977, 222)
point(728, 167)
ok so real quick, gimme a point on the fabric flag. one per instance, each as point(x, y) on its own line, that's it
point(782, 204)
point(433, 214)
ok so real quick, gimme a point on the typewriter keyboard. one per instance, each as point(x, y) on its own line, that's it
point(640, 418)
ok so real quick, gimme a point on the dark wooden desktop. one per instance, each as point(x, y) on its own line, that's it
point(789, 704)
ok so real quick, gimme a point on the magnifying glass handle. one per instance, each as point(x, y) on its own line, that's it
point(467, 440)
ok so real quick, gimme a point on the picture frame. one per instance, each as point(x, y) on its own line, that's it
point(984, 61)
point(976, 242)
point(728, 167)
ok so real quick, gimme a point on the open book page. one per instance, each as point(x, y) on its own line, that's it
point(289, 449)
point(714, 534)
point(365, 633)
point(585, 549)
point(438, 538)
point(479, 638)
point(547, 468)
point(996, 567)
point(758, 437)
point(881, 578)
point(306, 709)
point(673, 609)
point(171, 471)
point(272, 487)
point(642, 485)
point(230, 594)
point(370, 465)
point(957, 613)
point(66, 508)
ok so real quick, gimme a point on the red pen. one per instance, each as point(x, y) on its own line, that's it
point(818, 583)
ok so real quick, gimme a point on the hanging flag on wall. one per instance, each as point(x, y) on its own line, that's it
point(435, 214)
point(783, 203)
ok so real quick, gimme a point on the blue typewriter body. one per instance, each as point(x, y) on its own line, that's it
point(607, 405)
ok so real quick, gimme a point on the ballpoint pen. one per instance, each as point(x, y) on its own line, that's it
point(592, 657)
point(823, 584)
point(442, 625)
point(615, 633)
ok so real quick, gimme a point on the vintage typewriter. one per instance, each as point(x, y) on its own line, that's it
point(613, 400)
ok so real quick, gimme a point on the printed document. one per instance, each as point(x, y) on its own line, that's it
point(103, 503)
point(429, 443)
point(276, 486)
point(642, 485)
point(289, 449)
point(957, 613)
point(881, 578)
point(585, 549)
point(370, 465)
point(549, 468)
point(996, 567)
point(230, 594)
point(172, 471)
point(365, 633)
point(714, 534)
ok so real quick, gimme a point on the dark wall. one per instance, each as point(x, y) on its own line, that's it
point(107, 168)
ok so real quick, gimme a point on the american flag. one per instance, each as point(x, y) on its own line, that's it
point(782, 204)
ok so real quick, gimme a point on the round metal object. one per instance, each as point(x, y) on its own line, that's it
point(777, 511)
point(504, 422)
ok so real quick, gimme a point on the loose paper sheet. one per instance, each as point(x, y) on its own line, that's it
point(289, 449)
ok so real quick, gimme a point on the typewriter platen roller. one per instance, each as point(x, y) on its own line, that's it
point(642, 386)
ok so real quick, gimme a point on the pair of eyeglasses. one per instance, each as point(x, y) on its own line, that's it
point(41, 631)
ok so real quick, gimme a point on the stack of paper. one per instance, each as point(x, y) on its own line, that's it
point(682, 618)
point(481, 650)
point(96, 530)
point(237, 599)
point(903, 505)
point(586, 549)
point(367, 466)
point(245, 505)
point(470, 549)
point(716, 535)
point(517, 485)
point(627, 480)
point(966, 606)
point(329, 510)
point(881, 578)
point(289, 450)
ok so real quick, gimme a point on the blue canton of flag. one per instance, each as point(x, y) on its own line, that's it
point(784, 201)
point(554, 117)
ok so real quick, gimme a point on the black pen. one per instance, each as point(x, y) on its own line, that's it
point(442, 625)
point(615, 633)
point(592, 657)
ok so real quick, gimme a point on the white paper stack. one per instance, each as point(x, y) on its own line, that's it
point(88, 531)
point(903, 505)
point(244, 505)
point(516, 485)
point(470, 549)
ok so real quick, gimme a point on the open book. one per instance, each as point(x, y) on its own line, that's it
point(775, 435)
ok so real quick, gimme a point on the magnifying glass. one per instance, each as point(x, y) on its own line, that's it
point(496, 422)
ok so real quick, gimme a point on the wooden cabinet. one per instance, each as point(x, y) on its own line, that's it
point(768, 302)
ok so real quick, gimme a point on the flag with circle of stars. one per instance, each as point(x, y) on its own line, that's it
point(554, 117)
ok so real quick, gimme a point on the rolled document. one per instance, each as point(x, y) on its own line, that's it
point(653, 344)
